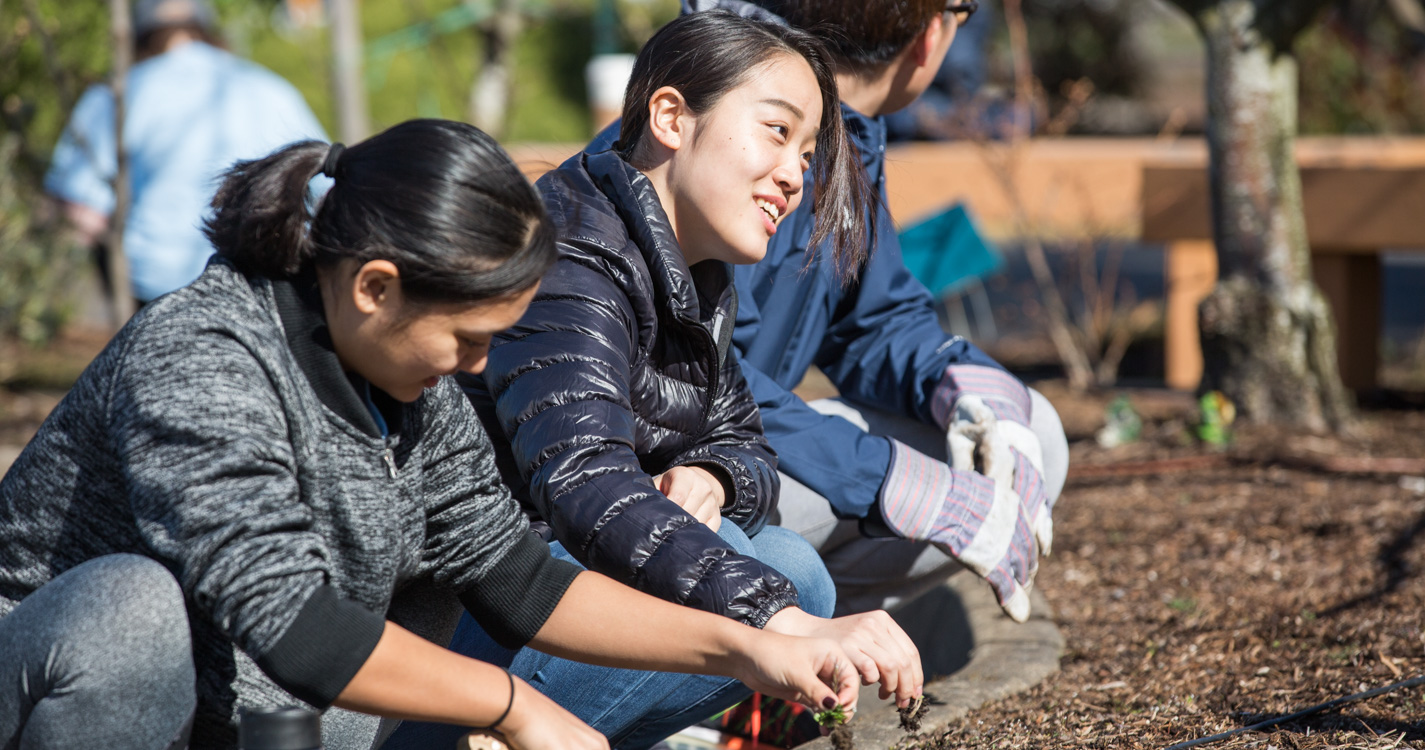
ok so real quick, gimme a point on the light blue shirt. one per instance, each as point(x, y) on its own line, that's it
point(191, 113)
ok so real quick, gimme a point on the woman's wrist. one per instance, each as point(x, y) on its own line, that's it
point(792, 621)
point(509, 704)
point(517, 712)
point(715, 478)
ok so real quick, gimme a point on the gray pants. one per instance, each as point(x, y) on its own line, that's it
point(886, 573)
point(102, 656)
point(98, 657)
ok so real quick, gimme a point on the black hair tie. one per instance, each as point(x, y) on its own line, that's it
point(333, 155)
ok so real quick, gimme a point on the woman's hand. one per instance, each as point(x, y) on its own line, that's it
point(695, 490)
point(815, 672)
point(879, 650)
point(538, 723)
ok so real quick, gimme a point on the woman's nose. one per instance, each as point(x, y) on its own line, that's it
point(474, 360)
point(789, 176)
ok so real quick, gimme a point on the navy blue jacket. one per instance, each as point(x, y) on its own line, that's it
point(622, 369)
point(878, 340)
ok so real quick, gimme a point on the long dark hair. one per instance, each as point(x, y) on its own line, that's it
point(704, 56)
point(440, 200)
point(862, 35)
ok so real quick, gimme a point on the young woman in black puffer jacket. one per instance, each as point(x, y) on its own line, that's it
point(631, 435)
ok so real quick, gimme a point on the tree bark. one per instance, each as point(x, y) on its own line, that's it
point(1268, 339)
point(490, 93)
point(348, 80)
point(121, 292)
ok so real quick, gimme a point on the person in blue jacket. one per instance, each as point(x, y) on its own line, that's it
point(873, 463)
point(191, 109)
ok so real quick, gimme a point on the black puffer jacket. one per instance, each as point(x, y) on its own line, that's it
point(619, 371)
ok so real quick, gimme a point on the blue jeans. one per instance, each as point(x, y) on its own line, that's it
point(634, 709)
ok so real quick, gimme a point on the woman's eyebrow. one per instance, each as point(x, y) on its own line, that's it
point(787, 106)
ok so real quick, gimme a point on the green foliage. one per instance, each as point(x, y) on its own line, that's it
point(433, 79)
point(1215, 416)
point(1361, 78)
point(37, 265)
point(50, 50)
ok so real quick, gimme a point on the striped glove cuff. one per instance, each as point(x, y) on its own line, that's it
point(1006, 397)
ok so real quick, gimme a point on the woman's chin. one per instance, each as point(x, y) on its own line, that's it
point(748, 253)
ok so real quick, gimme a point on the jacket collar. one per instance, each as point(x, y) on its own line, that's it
point(299, 305)
point(867, 134)
point(636, 201)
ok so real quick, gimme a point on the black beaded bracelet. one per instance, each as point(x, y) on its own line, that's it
point(496, 723)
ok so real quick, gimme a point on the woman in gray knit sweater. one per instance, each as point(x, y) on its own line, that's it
point(264, 490)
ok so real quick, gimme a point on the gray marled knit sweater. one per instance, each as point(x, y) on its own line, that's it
point(217, 434)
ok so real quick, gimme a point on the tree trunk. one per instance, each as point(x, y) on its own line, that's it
point(1268, 339)
point(348, 80)
point(490, 94)
point(121, 292)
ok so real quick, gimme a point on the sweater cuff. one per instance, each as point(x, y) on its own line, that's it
point(1005, 396)
point(512, 600)
point(328, 641)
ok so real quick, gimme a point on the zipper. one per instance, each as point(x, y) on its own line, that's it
point(390, 459)
point(713, 374)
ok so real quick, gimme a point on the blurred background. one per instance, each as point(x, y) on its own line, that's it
point(1114, 85)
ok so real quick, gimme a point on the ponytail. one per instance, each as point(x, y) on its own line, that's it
point(260, 219)
point(440, 200)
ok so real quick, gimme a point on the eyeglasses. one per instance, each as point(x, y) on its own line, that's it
point(968, 7)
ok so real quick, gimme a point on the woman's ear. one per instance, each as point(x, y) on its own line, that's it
point(669, 118)
point(926, 44)
point(377, 284)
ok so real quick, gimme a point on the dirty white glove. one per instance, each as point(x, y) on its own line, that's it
point(985, 412)
point(972, 518)
point(1007, 452)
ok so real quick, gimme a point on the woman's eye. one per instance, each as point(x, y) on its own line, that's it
point(806, 161)
point(781, 130)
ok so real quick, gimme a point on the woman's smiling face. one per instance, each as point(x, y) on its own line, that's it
point(738, 171)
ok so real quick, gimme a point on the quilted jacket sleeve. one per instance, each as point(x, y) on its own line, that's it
point(560, 383)
point(735, 444)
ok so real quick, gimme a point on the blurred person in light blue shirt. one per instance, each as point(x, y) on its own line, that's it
point(192, 109)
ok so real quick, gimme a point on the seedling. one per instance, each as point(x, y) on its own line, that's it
point(831, 717)
point(835, 720)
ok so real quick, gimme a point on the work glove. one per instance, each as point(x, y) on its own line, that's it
point(972, 518)
point(986, 415)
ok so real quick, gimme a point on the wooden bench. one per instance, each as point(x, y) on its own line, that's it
point(1360, 199)
point(1362, 196)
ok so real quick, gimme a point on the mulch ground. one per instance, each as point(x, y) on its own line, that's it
point(1200, 600)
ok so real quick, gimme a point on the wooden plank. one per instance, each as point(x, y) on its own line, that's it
point(1351, 284)
point(1348, 209)
point(1191, 271)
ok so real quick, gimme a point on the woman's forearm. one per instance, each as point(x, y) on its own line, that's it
point(408, 677)
point(605, 622)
